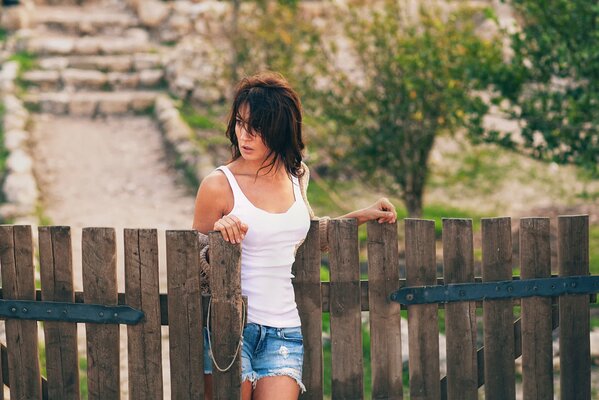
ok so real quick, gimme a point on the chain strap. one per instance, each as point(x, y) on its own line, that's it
point(238, 344)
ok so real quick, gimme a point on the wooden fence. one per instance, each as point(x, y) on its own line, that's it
point(183, 309)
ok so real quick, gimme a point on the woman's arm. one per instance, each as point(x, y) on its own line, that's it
point(213, 200)
point(382, 210)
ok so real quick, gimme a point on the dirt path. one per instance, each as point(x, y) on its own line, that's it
point(113, 173)
point(110, 172)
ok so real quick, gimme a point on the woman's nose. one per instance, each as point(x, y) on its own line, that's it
point(246, 135)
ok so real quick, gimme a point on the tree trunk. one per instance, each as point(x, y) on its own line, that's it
point(413, 202)
point(235, 28)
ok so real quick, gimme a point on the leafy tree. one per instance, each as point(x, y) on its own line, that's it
point(415, 78)
point(552, 82)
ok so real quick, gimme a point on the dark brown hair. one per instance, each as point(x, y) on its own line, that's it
point(275, 114)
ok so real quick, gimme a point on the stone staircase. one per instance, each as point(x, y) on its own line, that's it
point(91, 60)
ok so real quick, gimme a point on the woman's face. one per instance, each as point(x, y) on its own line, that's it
point(251, 144)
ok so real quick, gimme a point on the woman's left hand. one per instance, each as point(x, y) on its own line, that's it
point(382, 211)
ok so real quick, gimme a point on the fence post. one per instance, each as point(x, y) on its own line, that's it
point(460, 318)
point(56, 270)
point(226, 316)
point(144, 342)
point(309, 303)
point(423, 326)
point(537, 347)
point(185, 315)
point(16, 257)
point(498, 315)
point(345, 310)
point(100, 287)
point(574, 325)
point(385, 317)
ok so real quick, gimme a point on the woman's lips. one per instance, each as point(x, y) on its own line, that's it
point(245, 148)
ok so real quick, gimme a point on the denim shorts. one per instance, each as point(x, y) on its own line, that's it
point(267, 351)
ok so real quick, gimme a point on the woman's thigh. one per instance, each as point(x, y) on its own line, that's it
point(276, 388)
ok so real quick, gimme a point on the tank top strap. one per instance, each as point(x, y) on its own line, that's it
point(296, 188)
point(237, 192)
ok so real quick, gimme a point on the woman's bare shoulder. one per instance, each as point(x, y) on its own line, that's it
point(215, 182)
point(214, 198)
point(216, 189)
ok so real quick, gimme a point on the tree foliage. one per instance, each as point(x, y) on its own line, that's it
point(414, 78)
point(552, 81)
point(275, 36)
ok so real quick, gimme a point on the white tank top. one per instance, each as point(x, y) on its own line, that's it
point(267, 254)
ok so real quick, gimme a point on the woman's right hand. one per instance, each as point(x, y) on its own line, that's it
point(232, 229)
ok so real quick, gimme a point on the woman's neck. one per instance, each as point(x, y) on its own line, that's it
point(260, 169)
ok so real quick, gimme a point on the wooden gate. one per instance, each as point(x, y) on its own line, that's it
point(345, 297)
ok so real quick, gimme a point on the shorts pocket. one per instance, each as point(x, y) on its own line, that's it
point(294, 334)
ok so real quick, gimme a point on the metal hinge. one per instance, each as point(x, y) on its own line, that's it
point(69, 312)
point(543, 287)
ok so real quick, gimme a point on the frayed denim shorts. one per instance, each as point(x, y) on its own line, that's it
point(267, 351)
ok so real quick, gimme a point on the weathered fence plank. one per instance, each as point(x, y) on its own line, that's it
point(100, 287)
point(16, 258)
point(346, 325)
point(460, 318)
point(226, 318)
point(498, 316)
point(385, 317)
point(308, 298)
point(574, 340)
point(185, 315)
point(56, 270)
point(142, 292)
point(537, 348)
point(423, 326)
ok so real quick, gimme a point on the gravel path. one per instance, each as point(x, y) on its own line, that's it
point(113, 173)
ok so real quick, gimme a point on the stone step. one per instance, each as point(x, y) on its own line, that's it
point(92, 103)
point(135, 41)
point(87, 20)
point(82, 79)
point(110, 63)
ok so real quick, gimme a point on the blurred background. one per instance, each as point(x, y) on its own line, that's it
point(114, 110)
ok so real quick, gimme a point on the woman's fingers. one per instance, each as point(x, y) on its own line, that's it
point(386, 211)
point(222, 228)
point(232, 229)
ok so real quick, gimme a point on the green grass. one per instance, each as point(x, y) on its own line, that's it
point(197, 120)
point(27, 61)
point(83, 377)
point(438, 211)
point(594, 249)
point(3, 34)
point(478, 168)
point(42, 354)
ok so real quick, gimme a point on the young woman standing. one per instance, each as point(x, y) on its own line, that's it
point(259, 200)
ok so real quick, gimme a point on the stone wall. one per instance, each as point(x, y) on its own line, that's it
point(198, 32)
point(19, 186)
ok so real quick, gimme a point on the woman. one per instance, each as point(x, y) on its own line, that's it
point(259, 200)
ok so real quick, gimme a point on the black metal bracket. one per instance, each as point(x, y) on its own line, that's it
point(69, 312)
point(543, 287)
